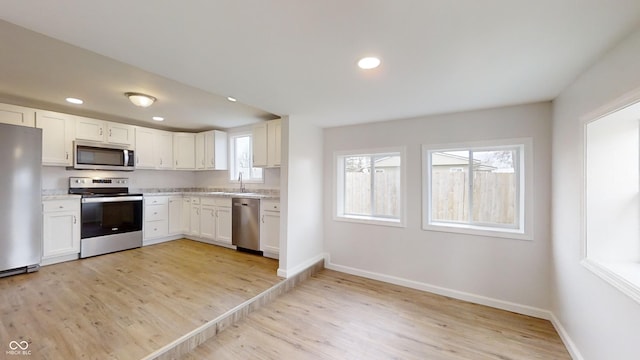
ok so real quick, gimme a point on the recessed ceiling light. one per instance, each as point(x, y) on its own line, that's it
point(158, 118)
point(74, 101)
point(232, 99)
point(369, 63)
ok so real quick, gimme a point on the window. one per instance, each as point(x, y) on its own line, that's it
point(370, 187)
point(241, 153)
point(476, 188)
point(612, 198)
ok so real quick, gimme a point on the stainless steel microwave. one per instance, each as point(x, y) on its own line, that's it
point(93, 156)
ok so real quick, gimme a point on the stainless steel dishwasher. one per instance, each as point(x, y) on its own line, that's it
point(245, 232)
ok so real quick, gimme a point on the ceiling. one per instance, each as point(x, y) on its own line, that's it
point(298, 57)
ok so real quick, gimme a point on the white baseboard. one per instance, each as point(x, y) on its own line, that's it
point(460, 295)
point(287, 273)
point(564, 336)
point(58, 259)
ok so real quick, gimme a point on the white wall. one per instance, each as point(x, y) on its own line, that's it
point(220, 179)
point(57, 178)
point(601, 321)
point(300, 196)
point(506, 273)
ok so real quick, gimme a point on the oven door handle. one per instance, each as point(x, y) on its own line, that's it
point(111, 199)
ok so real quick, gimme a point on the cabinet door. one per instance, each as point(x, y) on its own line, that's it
point(175, 215)
point(216, 150)
point(90, 129)
point(163, 149)
point(17, 115)
point(194, 223)
point(200, 151)
point(121, 134)
point(208, 222)
point(57, 137)
point(145, 155)
point(184, 151)
point(270, 233)
point(259, 138)
point(186, 215)
point(223, 224)
point(274, 142)
point(61, 233)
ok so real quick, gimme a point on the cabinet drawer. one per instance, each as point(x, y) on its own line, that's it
point(269, 205)
point(208, 201)
point(195, 201)
point(223, 201)
point(155, 212)
point(153, 229)
point(60, 205)
point(155, 200)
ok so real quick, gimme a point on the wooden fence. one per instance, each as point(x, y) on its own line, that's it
point(494, 197)
point(357, 198)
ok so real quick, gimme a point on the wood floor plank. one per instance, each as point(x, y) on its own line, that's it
point(339, 316)
point(128, 304)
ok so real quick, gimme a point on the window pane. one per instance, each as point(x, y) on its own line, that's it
point(449, 186)
point(357, 185)
point(495, 187)
point(243, 156)
point(387, 186)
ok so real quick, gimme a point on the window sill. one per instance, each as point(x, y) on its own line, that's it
point(369, 220)
point(478, 231)
point(624, 276)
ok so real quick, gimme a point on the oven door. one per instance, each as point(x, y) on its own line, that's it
point(101, 216)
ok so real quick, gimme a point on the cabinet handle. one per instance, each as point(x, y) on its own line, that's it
point(66, 155)
point(110, 132)
point(160, 161)
point(263, 219)
point(75, 220)
point(100, 131)
point(60, 207)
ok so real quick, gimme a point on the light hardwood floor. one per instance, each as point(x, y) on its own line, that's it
point(126, 305)
point(338, 316)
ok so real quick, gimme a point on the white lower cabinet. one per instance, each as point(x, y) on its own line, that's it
point(156, 217)
point(223, 220)
point(270, 228)
point(175, 215)
point(213, 217)
point(194, 219)
point(61, 230)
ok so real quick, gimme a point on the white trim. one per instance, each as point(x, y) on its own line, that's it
point(456, 294)
point(613, 278)
point(566, 339)
point(287, 273)
point(526, 195)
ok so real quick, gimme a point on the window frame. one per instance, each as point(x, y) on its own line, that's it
point(523, 230)
point(233, 174)
point(339, 187)
point(624, 276)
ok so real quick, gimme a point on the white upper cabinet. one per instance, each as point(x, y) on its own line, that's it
point(215, 150)
point(184, 151)
point(259, 137)
point(122, 134)
point(90, 129)
point(57, 137)
point(154, 149)
point(104, 131)
point(200, 152)
point(146, 158)
point(274, 142)
point(17, 115)
point(267, 143)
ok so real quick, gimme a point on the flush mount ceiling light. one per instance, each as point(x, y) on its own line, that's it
point(158, 118)
point(139, 99)
point(368, 63)
point(74, 101)
point(232, 99)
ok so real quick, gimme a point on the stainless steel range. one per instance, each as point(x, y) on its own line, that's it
point(111, 217)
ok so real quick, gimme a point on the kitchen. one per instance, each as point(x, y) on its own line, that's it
point(177, 208)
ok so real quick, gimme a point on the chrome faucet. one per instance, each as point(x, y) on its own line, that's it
point(242, 189)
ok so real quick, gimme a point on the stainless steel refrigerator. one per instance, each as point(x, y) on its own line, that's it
point(20, 199)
